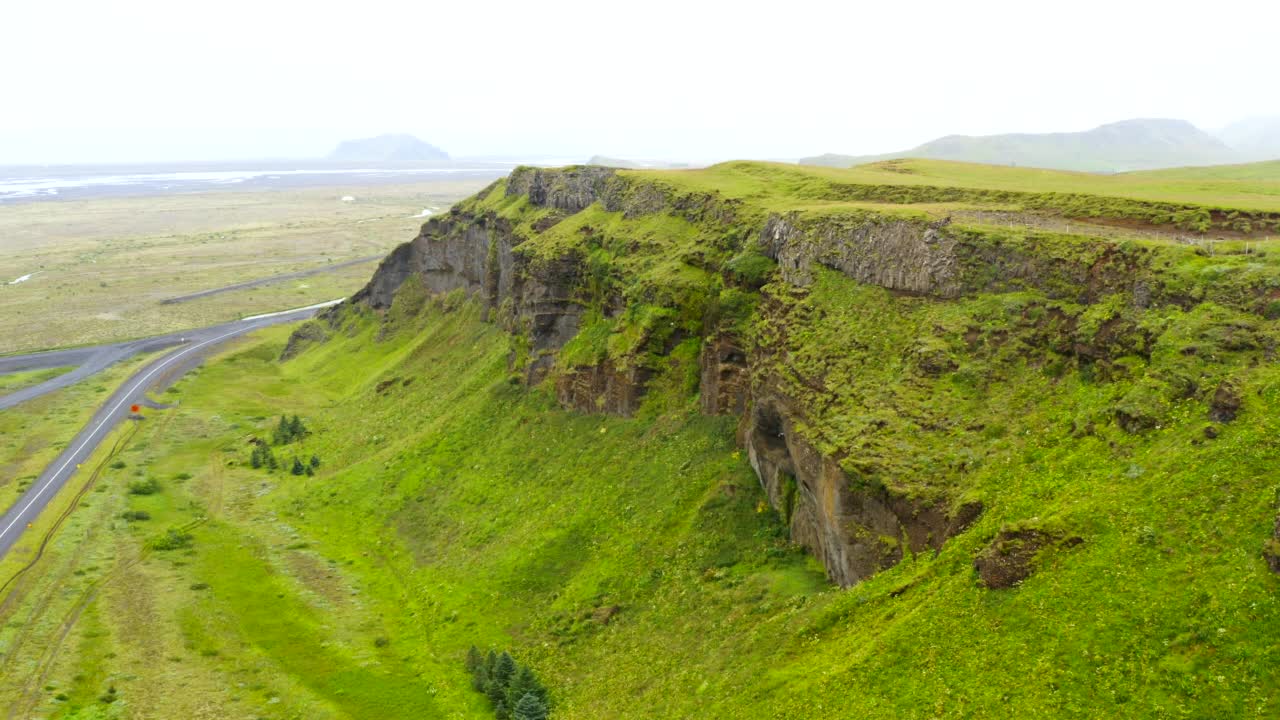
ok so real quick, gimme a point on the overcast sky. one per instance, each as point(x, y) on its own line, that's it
point(120, 80)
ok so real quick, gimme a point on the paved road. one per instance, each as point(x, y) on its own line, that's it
point(156, 375)
point(273, 279)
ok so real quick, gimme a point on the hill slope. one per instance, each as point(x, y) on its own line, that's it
point(387, 149)
point(1115, 147)
point(747, 442)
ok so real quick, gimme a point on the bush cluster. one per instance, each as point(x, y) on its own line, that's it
point(516, 693)
point(150, 486)
point(172, 539)
point(288, 430)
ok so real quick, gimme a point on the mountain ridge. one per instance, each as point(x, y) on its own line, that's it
point(387, 148)
point(1137, 144)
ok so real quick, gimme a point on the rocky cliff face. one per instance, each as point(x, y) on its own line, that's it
point(531, 248)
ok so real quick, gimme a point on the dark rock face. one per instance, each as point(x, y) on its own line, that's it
point(1225, 404)
point(1010, 558)
point(570, 191)
point(308, 333)
point(602, 388)
point(724, 380)
point(1271, 549)
point(478, 255)
point(855, 528)
point(894, 254)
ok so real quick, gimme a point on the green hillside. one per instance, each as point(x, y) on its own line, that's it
point(744, 442)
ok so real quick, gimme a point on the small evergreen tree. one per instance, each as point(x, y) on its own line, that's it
point(281, 435)
point(530, 707)
point(271, 459)
point(504, 670)
point(255, 457)
point(474, 660)
point(500, 710)
point(524, 683)
point(296, 429)
point(315, 463)
point(297, 468)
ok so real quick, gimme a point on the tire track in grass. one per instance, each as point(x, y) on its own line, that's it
point(28, 696)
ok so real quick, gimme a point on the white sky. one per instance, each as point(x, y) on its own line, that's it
point(117, 80)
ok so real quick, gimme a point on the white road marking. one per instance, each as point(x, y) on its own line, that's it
point(110, 413)
point(286, 312)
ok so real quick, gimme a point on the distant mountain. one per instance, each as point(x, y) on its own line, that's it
point(387, 148)
point(1144, 144)
point(1255, 138)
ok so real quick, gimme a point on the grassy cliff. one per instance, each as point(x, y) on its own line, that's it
point(747, 442)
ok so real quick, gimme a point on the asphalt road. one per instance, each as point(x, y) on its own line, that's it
point(273, 279)
point(154, 377)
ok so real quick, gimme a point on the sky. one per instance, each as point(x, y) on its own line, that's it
point(146, 81)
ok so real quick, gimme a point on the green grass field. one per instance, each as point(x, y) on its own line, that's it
point(1254, 187)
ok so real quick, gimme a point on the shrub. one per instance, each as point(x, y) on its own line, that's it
point(118, 465)
point(150, 486)
point(136, 515)
point(172, 539)
point(751, 268)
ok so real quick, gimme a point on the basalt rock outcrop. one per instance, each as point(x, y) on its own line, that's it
point(551, 256)
point(1011, 556)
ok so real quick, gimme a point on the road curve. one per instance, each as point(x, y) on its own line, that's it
point(156, 375)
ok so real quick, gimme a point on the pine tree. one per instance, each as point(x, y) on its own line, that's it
point(479, 672)
point(271, 459)
point(281, 436)
point(297, 468)
point(315, 463)
point(296, 428)
point(524, 683)
point(255, 457)
point(530, 708)
point(504, 670)
point(500, 710)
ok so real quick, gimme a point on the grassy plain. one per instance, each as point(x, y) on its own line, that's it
point(12, 382)
point(100, 267)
